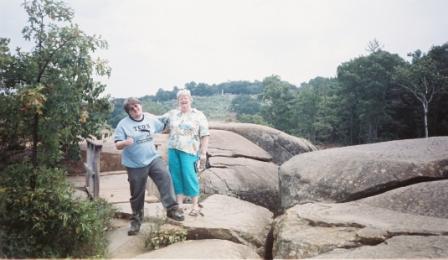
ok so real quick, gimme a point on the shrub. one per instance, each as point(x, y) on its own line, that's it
point(158, 237)
point(48, 221)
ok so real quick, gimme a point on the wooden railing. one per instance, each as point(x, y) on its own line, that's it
point(92, 167)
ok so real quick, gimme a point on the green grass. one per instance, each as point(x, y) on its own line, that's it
point(215, 108)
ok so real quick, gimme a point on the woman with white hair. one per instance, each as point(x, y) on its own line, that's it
point(187, 146)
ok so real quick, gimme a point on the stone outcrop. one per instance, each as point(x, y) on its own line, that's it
point(203, 249)
point(244, 224)
point(228, 144)
point(393, 193)
point(278, 144)
point(239, 168)
point(315, 229)
point(247, 179)
point(123, 246)
point(383, 200)
point(426, 199)
point(354, 172)
point(402, 247)
point(231, 219)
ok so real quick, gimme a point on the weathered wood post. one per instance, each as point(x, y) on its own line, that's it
point(92, 167)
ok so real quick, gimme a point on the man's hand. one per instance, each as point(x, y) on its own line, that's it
point(129, 141)
point(202, 162)
point(123, 144)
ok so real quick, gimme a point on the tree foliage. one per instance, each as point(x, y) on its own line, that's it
point(370, 100)
point(245, 104)
point(366, 102)
point(423, 79)
point(315, 110)
point(364, 92)
point(203, 89)
point(50, 90)
point(278, 101)
point(49, 100)
point(47, 221)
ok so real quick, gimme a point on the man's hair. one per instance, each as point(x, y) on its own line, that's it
point(129, 102)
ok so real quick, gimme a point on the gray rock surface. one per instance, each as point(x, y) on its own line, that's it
point(354, 172)
point(403, 247)
point(247, 179)
point(228, 144)
point(278, 144)
point(426, 198)
point(315, 229)
point(231, 219)
point(123, 246)
point(203, 249)
point(223, 218)
point(152, 211)
point(115, 188)
point(360, 215)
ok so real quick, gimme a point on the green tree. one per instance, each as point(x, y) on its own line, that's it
point(164, 95)
point(278, 101)
point(53, 85)
point(438, 118)
point(316, 111)
point(365, 85)
point(245, 104)
point(423, 80)
point(49, 101)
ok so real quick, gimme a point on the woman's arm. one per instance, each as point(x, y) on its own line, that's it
point(203, 152)
point(204, 145)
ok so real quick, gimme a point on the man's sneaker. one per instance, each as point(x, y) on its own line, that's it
point(175, 213)
point(134, 229)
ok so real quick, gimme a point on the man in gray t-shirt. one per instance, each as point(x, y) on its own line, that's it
point(134, 135)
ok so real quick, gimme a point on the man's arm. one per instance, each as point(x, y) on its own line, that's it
point(120, 145)
point(121, 138)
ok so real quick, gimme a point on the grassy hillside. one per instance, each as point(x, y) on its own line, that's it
point(216, 108)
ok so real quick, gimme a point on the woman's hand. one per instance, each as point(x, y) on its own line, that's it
point(202, 162)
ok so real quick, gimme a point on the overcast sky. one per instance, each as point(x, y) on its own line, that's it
point(165, 43)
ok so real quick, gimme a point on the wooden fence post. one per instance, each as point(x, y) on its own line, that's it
point(92, 166)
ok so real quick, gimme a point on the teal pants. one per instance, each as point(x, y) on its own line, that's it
point(183, 172)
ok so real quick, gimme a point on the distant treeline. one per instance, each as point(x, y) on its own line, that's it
point(202, 89)
point(376, 97)
point(373, 98)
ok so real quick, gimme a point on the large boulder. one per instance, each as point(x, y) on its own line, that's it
point(246, 179)
point(222, 218)
point(402, 247)
point(203, 249)
point(426, 198)
point(278, 144)
point(356, 229)
point(239, 168)
point(231, 219)
point(228, 144)
point(123, 246)
point(354, 172)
